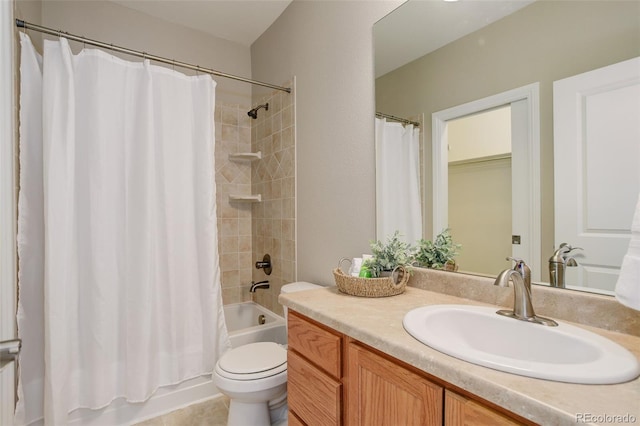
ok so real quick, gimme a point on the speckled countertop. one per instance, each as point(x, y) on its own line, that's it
point(377, 322)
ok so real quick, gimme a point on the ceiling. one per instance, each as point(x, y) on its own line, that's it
point(419, 27)
point(240, 21)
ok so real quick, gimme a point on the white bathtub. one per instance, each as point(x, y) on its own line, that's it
point(243, 322)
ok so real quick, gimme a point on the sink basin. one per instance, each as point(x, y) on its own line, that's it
point(564, 353)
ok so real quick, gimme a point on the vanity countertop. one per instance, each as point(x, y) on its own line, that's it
point(377, 322)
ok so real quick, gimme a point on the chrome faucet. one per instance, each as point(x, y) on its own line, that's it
point(522, 306)
point(558, 264)
point(261, 284)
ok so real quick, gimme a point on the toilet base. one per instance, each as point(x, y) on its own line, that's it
point(279, 410)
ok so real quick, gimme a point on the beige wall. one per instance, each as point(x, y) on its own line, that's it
point(327, 46)
point(112, 23)
point(30, 11)
point(546, 41)
point(480, 135)
point(480, 190)
point(482, 228)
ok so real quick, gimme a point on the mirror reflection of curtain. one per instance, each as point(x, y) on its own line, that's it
point(398, 205)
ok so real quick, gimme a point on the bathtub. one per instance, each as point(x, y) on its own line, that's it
point(243, 322)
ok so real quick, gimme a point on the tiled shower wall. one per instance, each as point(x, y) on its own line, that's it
point(233, 135)
point(248, 231)
point(273, 220)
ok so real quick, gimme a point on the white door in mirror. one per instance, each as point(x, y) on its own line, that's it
point(478, 335)
point(595, 118)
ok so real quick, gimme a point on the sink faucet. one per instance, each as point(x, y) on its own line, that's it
point(522, 307)
point(558, 264)
point(261, 284)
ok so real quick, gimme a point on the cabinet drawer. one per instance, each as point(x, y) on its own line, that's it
point(312, 395)
point(317, 344)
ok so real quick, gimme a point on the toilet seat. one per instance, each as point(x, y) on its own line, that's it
point(253, 361)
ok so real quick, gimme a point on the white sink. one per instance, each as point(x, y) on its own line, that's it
point(564, 353)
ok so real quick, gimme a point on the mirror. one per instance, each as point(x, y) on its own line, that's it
point(434, 56)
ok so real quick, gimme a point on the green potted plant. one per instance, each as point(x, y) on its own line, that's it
point(437, 254)
point(387, 256)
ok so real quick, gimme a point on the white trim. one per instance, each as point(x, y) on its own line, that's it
point(165, 401)
point(529, 94)
point(294, 93)
point(7, 205)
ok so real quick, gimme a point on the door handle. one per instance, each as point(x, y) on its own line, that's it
point(9, 350)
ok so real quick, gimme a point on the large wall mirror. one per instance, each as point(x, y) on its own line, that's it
point(529, 117)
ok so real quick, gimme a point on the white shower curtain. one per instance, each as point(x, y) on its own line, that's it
point(119, 286)
point(398, 205)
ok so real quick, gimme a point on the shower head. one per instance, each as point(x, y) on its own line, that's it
point(254, 112)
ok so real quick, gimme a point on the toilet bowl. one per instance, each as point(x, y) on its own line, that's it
point(254, 377)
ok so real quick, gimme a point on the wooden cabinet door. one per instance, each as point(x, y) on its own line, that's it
point(381, 392)
point(462, 411)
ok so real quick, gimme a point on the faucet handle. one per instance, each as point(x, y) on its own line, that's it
point(520, 263)
point(515, 259)
point(568, 248)
point(524, 270)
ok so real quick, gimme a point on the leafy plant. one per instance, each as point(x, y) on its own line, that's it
point(386, 257)
point(438, 253)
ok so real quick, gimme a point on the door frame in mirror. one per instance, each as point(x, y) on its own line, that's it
point(529, 97)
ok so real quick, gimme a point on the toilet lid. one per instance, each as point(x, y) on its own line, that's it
point(261, 357)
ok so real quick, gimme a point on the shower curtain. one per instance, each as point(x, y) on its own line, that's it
point(398, 205)
point(119, 282)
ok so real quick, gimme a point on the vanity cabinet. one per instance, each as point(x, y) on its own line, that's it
point(462, 411)
point(314, 368)
point(382, 392)
point(335, 380)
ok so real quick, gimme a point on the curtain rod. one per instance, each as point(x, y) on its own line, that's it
point(394, 118)
point(197, 68)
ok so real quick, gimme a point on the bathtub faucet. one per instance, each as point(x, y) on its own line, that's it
point(260, 284)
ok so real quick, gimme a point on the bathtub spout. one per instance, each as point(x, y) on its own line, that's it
point(261, 284)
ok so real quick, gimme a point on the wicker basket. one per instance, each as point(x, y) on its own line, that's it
point(370, 287)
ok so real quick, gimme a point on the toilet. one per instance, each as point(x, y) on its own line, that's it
point(254, 377)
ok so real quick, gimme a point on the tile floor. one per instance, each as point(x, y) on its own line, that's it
point(213, 412)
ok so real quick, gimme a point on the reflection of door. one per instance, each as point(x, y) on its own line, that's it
point(525, 210)
point(597, 168)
